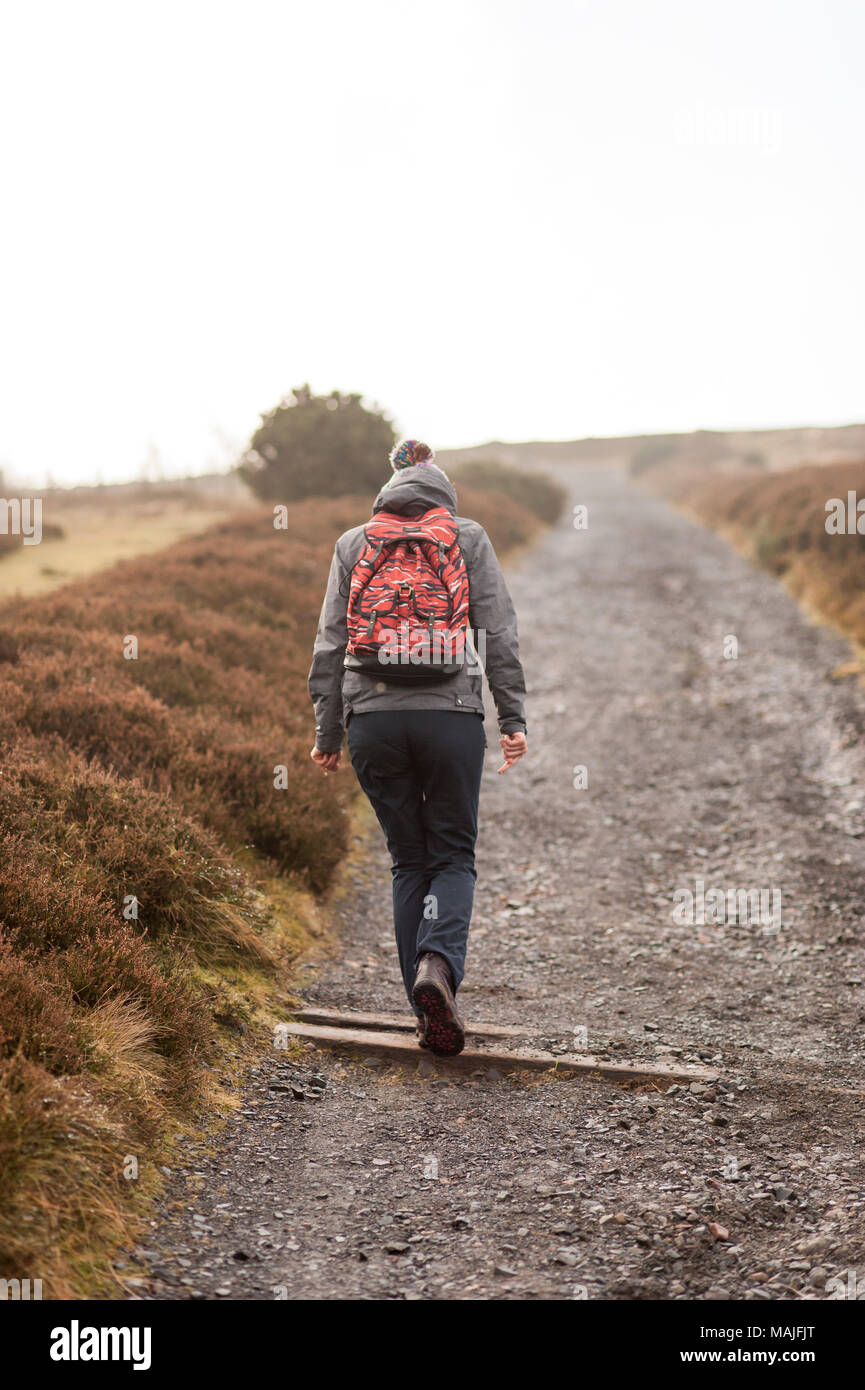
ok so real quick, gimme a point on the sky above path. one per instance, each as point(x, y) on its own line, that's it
point(499, 219)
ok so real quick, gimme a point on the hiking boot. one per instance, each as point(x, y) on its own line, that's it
point(433, 994)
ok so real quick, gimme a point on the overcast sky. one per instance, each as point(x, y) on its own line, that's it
point(502, 219)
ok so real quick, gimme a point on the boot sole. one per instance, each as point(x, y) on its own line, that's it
point(444, 1034)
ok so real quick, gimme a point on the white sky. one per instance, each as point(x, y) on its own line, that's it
point(499, 218)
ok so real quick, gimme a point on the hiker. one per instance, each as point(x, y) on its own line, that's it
point(414, 599)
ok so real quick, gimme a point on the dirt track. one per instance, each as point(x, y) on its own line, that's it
point(745, 773)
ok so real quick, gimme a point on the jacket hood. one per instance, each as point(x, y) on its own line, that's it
point(415, 490)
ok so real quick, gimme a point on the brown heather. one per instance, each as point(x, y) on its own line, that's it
point(151, 778)
point(780, 520)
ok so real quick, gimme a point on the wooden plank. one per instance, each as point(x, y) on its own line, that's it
point(393, 1023)
point(405, 1049)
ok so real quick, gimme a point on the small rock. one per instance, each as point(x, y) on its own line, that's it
point(814, 1245)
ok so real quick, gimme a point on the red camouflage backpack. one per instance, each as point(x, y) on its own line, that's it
point(408, 602)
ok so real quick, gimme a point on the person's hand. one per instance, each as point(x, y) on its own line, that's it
point(513, 747)
point(328, 762)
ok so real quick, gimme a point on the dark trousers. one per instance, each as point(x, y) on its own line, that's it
point(421, 770)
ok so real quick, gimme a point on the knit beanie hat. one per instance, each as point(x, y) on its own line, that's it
point(407, 454)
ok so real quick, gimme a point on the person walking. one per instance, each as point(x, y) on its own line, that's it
point(416, 610)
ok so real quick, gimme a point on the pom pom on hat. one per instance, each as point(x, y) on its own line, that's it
point(408, 453)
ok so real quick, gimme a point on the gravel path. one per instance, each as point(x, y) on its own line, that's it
point(745, 773)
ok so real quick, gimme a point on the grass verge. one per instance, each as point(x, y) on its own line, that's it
point(780, 521)
point(164, 845)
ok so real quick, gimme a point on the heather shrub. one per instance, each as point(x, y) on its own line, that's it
point(144, 783)
point(780, 518)
point(536, 492)
point(60, 1170)
point(36, 1012)
point(118, 839)
point(507, 524)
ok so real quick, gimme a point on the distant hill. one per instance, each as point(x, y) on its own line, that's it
point(721, 450)
point(718, 449)
point(222, 489)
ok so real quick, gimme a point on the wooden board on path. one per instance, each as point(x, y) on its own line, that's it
point(403, 1047)
point(392, 1023)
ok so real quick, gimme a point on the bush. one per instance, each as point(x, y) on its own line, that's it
point(317, 446)
point(36, 1014)
point(536, 492)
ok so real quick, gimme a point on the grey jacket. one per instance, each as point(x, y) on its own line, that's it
point(338, 691)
